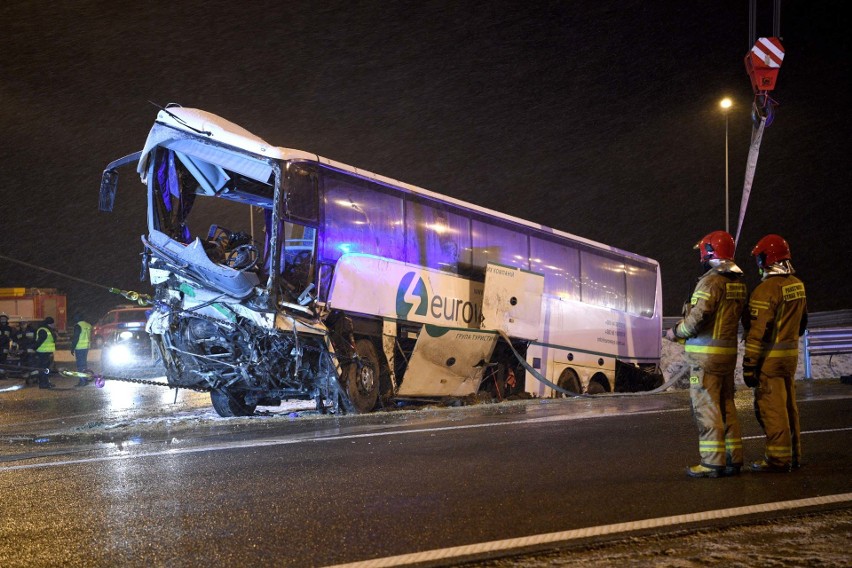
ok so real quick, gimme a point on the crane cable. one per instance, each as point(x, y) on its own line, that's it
point(758, 128)
point(28, 265)
point(752, 21)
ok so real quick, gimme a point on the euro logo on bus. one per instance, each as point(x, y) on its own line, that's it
point(407, 295)
point(414, 294)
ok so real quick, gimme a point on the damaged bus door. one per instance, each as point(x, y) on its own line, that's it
point(511, 301)
point(451, 361)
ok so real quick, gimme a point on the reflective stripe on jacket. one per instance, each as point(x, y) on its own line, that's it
point(776, 312)
point(711, 321)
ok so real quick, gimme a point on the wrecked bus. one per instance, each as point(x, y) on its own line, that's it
point(279, 274)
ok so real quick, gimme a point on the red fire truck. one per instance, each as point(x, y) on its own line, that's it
point(34, 304)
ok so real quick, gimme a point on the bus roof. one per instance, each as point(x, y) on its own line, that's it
point(222, 131)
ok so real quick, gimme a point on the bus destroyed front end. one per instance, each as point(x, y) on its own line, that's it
point(245, 354)
point(233, 313)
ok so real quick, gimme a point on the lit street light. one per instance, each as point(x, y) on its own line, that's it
point(726, 105)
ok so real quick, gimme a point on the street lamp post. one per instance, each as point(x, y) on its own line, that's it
point(726, 105)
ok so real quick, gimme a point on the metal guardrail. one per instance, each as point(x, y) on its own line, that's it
point(837, 318)
point(828, 333)
point(826, 341)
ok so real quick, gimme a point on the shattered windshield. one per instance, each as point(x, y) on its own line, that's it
point(229, 215)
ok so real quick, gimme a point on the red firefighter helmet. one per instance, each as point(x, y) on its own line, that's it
point(716, 245)
point(771, 249)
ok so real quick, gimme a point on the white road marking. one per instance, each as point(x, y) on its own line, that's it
point(456, 552)
point(829, 431)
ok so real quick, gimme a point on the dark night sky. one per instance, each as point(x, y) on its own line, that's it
point(599, 118)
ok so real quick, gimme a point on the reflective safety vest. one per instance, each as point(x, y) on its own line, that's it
point(85, 338)
point(49, 345)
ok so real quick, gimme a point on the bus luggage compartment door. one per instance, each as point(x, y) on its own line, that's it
point(447, 361)
point(511, 301)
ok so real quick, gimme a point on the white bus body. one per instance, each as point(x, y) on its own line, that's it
point(358, 289)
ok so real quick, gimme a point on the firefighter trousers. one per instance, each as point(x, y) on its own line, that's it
point(720, 440)
point(777, 412)
point(45, 363)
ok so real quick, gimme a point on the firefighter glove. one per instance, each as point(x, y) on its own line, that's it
point(750, 376)
point(671, 335)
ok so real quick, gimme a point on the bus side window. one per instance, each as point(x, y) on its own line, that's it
point(603, 282)
point(560, 265)
point(302, 194)
point(361, 217)
point(297, 254)
point(437, 238)
point(493, 243)
point(641, 289)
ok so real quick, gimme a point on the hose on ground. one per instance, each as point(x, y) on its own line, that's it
point(680, 373)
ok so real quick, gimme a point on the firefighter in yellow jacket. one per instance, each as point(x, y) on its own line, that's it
point(45, 347)
point(80, 342)
point(777, 315)
point(709, 332)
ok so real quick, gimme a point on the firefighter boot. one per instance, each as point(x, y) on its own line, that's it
point(704, 471)
point(765, 467)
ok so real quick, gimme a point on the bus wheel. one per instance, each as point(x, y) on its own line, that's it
point(598, 385)
point(363, 375)
point(232, 403)
point(568, 380)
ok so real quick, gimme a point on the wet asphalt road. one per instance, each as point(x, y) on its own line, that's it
point(125, 476)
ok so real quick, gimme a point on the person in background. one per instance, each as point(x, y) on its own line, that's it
point(777, 316)
point(25, 338)
point(6, 335)
point(709, 332)
point(45, 347)
point(80, 342)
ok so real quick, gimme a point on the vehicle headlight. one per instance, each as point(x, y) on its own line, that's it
point(119, 355)
point(124, 335)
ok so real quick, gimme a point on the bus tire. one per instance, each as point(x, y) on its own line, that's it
point(228, 404)
point(568, 380)
point(364, 377)
point(598, 385)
